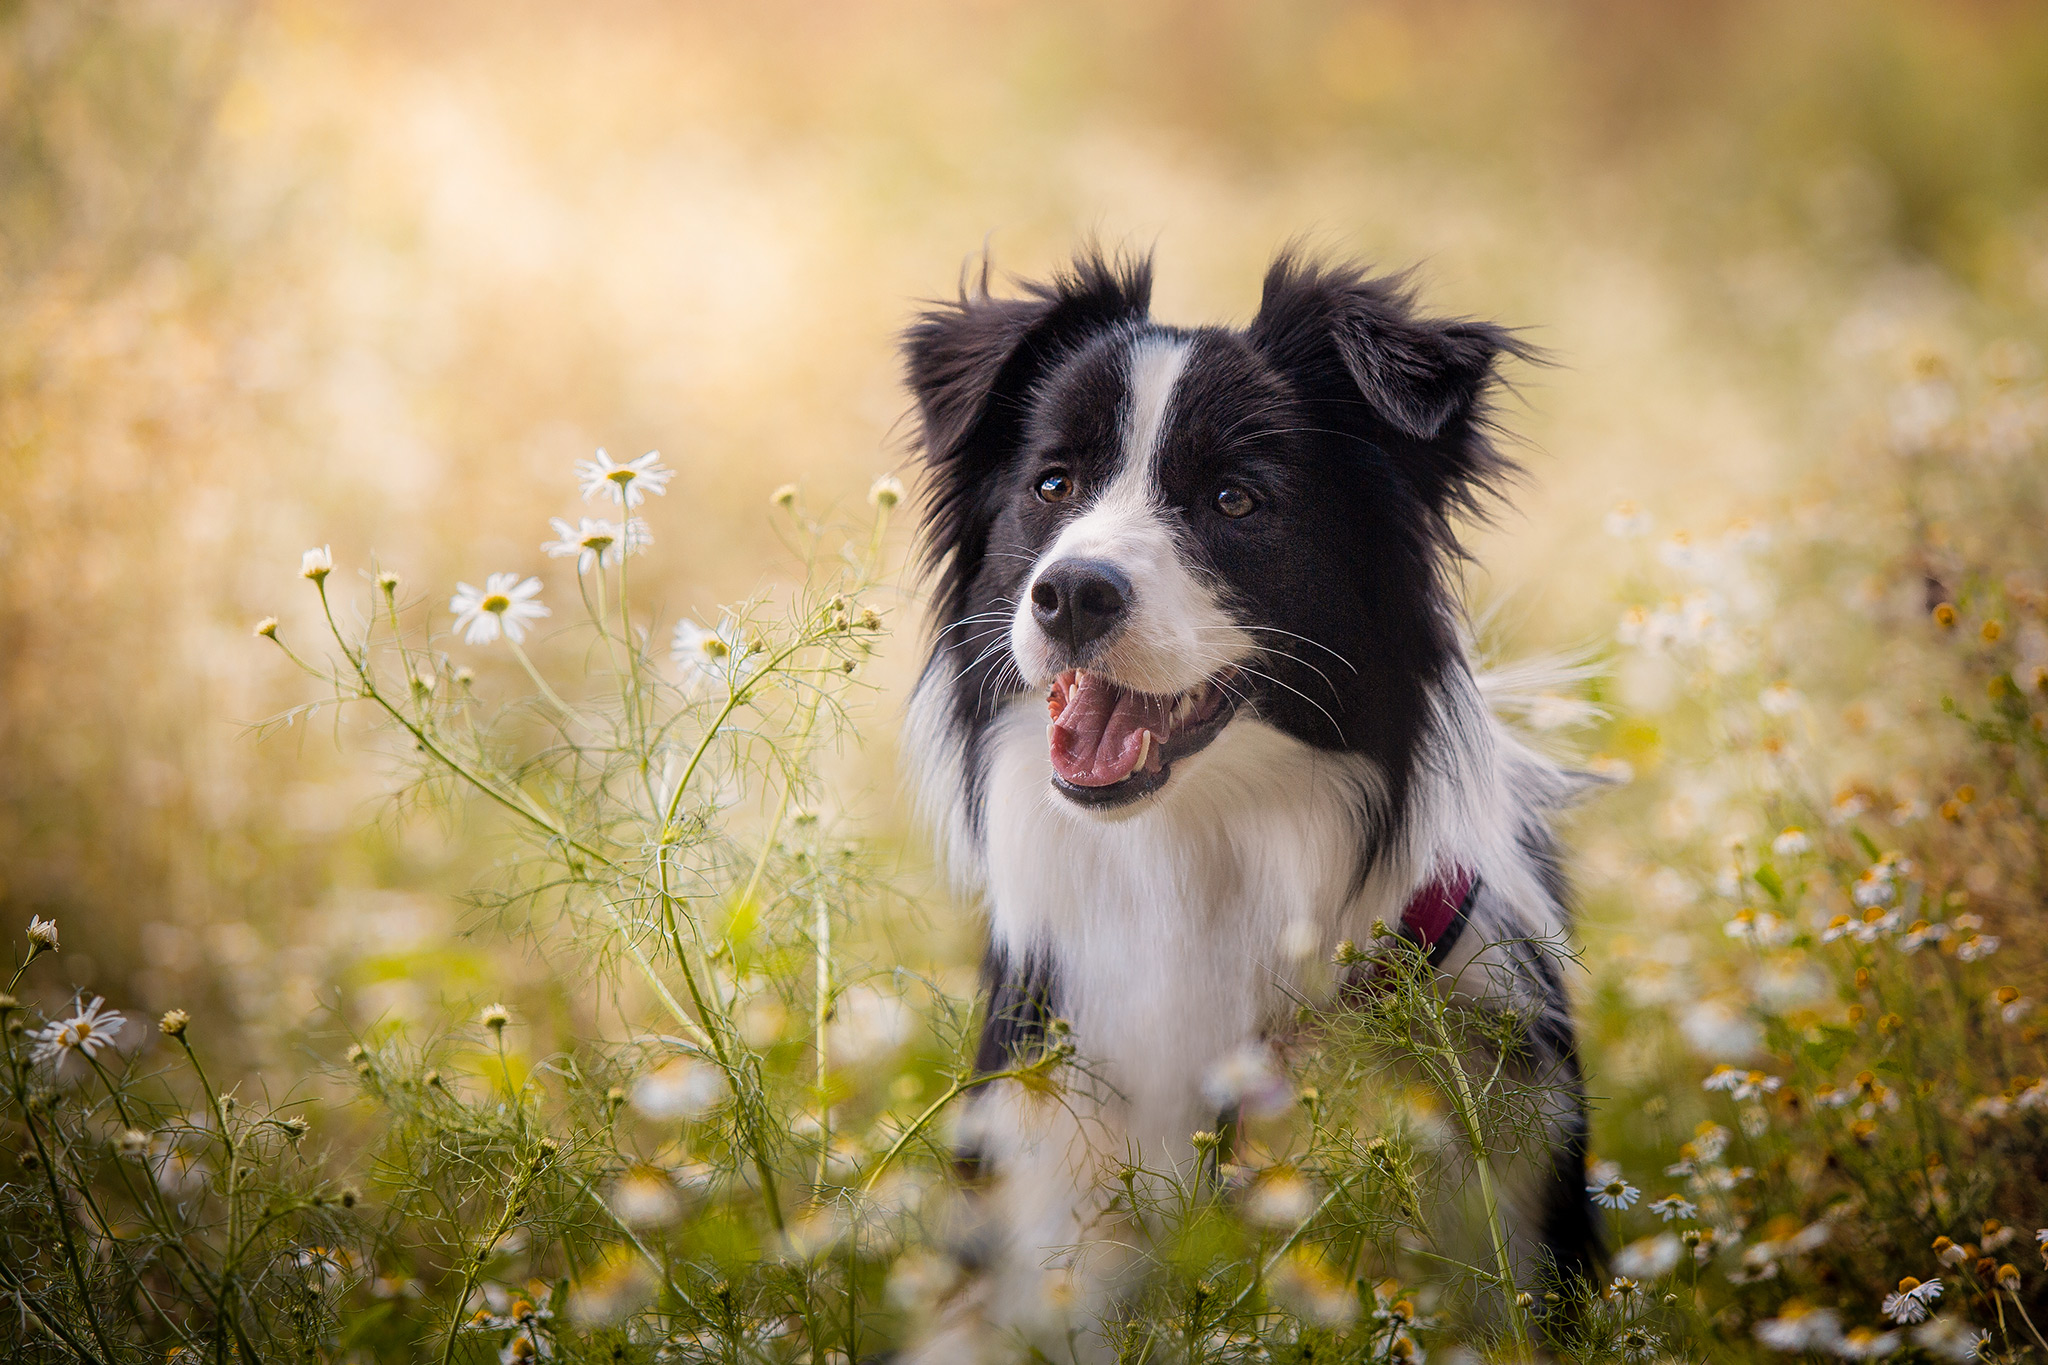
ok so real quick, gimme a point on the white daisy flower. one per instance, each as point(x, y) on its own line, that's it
point(1912, 1301)
point(702, 654)
point(87, 1031)
point(684, 1088)
point(1950, 1339)
point(1779, 699)
point(1976, 946)
point(1862, 1343)
point(1791, 843)
point(1648, 1258)
point(1674, 1206)
point(1800, 1328)
point(596, 542)
point(645, 1197)
point(503, 604)
point(316, 563)
point(1614, 1194)
point(628, 483)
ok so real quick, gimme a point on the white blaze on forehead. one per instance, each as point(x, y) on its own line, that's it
point(1129, 506)
point(1156, 363)
point(1177, 633)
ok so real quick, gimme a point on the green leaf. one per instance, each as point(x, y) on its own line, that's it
point(1863, 842)
point(1767, 878)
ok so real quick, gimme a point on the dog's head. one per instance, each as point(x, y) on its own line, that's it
point(1168, 531)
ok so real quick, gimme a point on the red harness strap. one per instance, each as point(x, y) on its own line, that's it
point(1435, 915)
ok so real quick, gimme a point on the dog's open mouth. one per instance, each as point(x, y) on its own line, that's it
point(1111, 744)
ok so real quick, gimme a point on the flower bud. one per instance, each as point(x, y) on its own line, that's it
point(783, 497)
point(317, 563)
point(495, 1017)
point(174, 1023)
point(267, 628)
point(886, 492)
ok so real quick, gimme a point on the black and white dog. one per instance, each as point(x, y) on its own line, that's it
point(1220, 558)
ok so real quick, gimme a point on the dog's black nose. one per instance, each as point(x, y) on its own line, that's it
point(1078, 601)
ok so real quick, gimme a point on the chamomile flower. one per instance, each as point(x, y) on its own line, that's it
point(1673, 1206)
point(628, 484)
point(87, 1031)
point(1623, 1288)
point(596, 543)
point(1779, 699)
point(1649, 1258)
point(1614, 1194)
point(1864, 1343)
point(702, 654)
point(1800, 1328)
point(1792, 842)
point(1741, 1085)
point(1948, 1338)
point(1976, 947)
point(504, 603)
point(1912, 1301)
point(42, 935)
point(1874, 888)
point(316, 563)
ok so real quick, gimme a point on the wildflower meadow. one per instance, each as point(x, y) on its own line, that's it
point(460, 899)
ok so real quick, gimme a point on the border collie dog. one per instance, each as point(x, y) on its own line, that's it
point(1219, 560)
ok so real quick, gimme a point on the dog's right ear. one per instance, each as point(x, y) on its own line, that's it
point(971, 364)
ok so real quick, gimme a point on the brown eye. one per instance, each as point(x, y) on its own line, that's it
point(1235, 502)
point(1055, 487)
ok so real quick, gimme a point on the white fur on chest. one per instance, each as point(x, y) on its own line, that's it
point(1177, 929)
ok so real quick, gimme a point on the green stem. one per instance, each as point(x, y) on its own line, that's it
point(71, 1259)
point(1468, 1114)
point(56, 1328)
point(555, 701)
point(1294, 1237)
point(35, 950)
point(822, 941)
point(917, 1125)
point(2028, 1320)
point(473, 1262)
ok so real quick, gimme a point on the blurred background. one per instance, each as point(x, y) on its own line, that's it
point(373, 275)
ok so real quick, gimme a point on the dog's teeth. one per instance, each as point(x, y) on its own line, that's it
point(1144, 750)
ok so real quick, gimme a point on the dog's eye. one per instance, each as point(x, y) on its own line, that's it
point(1055, 487)
point(1232, 501)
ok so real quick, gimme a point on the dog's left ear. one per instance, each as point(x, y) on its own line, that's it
point(1353, 339)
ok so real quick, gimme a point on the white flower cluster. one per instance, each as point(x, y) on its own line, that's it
point(508, 604)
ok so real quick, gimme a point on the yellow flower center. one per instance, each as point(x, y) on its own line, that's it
point(621, 477)
point(497, 602)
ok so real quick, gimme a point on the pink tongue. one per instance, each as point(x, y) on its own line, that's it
point(1097, 729)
